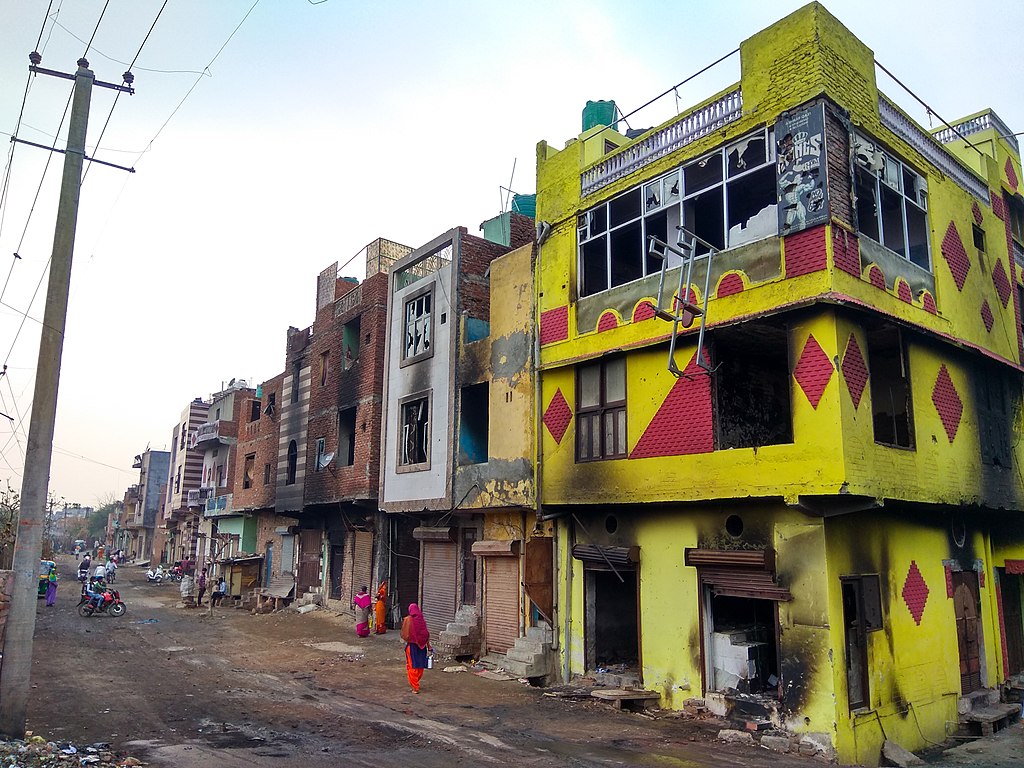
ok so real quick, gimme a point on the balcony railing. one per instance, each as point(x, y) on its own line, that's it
point(975, 125)
point(197, 497)
point(928, 146)
point(683, 131)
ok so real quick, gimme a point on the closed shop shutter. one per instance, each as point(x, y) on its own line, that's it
point(738, 573)
point(440, 580)
point(501, 602)
point(362, 562)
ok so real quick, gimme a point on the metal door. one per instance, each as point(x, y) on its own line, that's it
point(362, 562)
point(965, 606)
point(309, 560)
point(501, 602)
point(440, 584)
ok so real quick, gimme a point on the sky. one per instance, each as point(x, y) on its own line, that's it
point(272, 139)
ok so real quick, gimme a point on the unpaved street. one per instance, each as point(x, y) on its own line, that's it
point(188, 688)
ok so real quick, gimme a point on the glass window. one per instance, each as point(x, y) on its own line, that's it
point(601, 410)
point(418, 332)
point(415, 432)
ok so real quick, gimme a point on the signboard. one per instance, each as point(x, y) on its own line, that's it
point(801, 170)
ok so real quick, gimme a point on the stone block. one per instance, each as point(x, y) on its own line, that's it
point(732, 736)
point(896, 755)
point(775, 743)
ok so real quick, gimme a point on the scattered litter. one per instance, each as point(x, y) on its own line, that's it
point(456, 668)
point(69, 750)
point(146, 621)
point(488, 674)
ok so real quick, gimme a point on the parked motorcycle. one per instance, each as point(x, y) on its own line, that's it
point(175, 573)
point(109, 602)
point(156, 575)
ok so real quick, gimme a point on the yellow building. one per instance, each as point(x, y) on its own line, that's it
point(780, 350)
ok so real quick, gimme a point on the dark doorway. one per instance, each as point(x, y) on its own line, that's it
point(337, 569)
point(966, 606)
point(611, 620)
point(862, 613)
point(1010, 589)
point(743, 654)
point(470, 567)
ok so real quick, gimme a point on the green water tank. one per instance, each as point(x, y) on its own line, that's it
point(525, 204)
point(600, 113)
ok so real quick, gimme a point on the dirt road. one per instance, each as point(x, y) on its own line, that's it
point(187, 688)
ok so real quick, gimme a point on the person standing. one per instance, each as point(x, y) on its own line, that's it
point(380, 610)
point(362, 604)
point(51, 587)
point(417, 646)
point(201, 583)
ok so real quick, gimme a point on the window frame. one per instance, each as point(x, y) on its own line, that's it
point(321, 451)
point(407, 300)
point(400, 465)
point(668, 190)
point(597, 414)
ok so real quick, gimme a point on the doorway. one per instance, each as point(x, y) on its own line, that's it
point(1010, 590)
point(742, 644)
point(612, 629)
point(967, 607)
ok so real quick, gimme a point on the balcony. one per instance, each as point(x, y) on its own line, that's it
point(219, 506)
point(209, 436)
point(197, 497)
point(983, 122)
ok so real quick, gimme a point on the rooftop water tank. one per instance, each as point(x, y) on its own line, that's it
point(600, 113)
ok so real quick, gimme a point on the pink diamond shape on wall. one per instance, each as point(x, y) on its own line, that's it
point(557, 416)
point(986, 315)
point(855, 370)
point(976, 212)
point(813, 371)
point(915, 592)
point(956, 256)
point(1011, 175)
point(1001, 282)
point(947, 402)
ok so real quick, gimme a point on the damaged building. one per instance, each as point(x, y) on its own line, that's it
point(780, 354)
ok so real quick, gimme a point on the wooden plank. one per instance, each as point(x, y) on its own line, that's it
point(618, 694)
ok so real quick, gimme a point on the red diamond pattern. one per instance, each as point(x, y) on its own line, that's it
point(607, 322)
point(976, 211)
point(684, 424)
point(557, 416)
point(855, 370)
point(986, 316)
point(949, 579)
point(1011, 175)
point(956, 256)
point(876, 276)
point(1001, 282)
point(730, 284)
point(915, 592)
point(998, 207)
point(928, 302)
point(644, 310)
point(554, 325)
point(948, 403)
point(813, 371)
point(904, 292)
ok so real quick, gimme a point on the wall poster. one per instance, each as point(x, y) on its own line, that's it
point(801, 169)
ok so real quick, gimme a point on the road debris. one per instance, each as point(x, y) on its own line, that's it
point(36, 752)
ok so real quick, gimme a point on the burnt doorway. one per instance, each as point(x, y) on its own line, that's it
point(1013, 622)
point(611, 627)
point(337, 571)
point(966, 606)
point(862, 613)
point(743, 653)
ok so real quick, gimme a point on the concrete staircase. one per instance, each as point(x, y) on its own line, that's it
point(462, 636)
point(982, 714)
point(531, 656)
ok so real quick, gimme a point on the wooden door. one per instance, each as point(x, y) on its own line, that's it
point(309, 559)
point(965, 606)
point(539, 576)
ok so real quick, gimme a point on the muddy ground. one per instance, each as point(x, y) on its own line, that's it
point(185, 688)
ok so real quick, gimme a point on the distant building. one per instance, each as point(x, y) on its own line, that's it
point(142, 503)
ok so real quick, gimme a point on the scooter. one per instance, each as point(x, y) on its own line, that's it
point(156, 575)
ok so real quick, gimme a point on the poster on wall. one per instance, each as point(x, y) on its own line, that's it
point(801, 169)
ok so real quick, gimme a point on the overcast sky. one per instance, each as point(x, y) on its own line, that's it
point(318, 128)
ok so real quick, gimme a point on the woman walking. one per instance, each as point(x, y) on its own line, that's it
point(362, 604)
point(417, 646)
point(51, 587)
point(380, 609)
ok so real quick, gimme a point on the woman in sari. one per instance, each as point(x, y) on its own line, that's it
point(417, 646)
point(51, 587)
point(380, 609)
point(362, 604)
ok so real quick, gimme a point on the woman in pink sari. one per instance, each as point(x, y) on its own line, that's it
point(362, 604)
point(417, 646)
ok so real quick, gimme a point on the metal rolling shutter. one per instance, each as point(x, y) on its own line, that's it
point(501, 602)
point(362, 562)
point(738, 573)
point(440, 584)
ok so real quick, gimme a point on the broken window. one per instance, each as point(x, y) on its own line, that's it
point(325, 361)
point(350, 342)
point(889, 378)
point(474, 412)
point(739, 178)
point(250, 466)
point(321, 454)
point(752, 386)
point(892, 202)
point(415, 432)
point(417, 326)
point(266, 474)
point(1015, 210)
point(601, 410)
point(271, 403)
point(254, 410)
point(862, 613)
point(296, 376)
point(347, 437)
point(293, 461)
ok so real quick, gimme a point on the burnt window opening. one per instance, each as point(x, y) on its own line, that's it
point(347, 437)
point(271, 403)
point(418, 333)
point(996, 406)
point(266, 474)
point(321, 454)
point(862, 613)
point(325, 367)
point(415, 432)
point(293, 460)
point(739, 178)
point(752, 387)
point(296, 374)
point(474, 416)
point(889, 377)
point(891, 202)
point(249, 469)
point(744, 654)
point(601, 410)
point(254, 410)
point(350, 343)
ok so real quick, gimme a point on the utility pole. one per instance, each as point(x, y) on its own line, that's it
point(16, 668)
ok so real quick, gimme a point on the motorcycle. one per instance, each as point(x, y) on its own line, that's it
point(108, 602)
point(156, 575)
point(175, 573)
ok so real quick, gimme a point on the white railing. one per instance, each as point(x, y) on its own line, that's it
point(924, 143)
point(683, 131)
point(975, 125)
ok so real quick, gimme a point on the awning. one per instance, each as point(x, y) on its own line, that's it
point(594, 555)
point(1015, 567)
point(738, 573)
point(496, 548)
point(425, 533)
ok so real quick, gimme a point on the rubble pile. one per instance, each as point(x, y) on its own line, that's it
point(35, 752)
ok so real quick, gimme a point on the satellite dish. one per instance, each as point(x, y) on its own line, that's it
point(325, 459)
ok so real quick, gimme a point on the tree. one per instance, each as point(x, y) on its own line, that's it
point(10, 505)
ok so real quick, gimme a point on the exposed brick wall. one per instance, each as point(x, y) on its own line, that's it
point(260, 438)
point(266, 534)
point(474, 288)
point(840, 180)
point(522, 231)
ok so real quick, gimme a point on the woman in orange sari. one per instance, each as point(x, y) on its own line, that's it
point(417, 646)
point(380, 609)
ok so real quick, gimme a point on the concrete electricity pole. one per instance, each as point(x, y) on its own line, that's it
point(17, 657)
